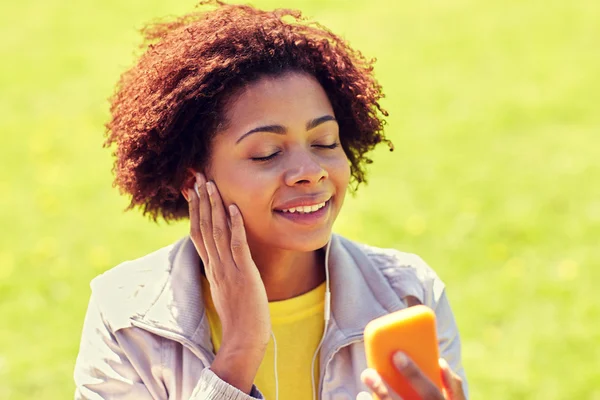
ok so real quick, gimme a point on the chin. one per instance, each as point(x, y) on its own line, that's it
point(303, 243)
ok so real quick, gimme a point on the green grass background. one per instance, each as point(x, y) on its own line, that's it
point(495, 180)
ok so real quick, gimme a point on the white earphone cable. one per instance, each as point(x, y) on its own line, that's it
point(327, 314)
point(275, 365)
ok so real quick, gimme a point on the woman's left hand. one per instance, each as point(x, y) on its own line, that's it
point(453, 389)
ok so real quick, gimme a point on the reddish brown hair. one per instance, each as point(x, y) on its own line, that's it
point(167, 108)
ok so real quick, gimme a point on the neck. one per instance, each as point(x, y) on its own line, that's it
point(288, 274)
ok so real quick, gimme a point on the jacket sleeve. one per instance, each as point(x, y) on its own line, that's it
point(449, 339)
point(211, 387)
point(410, 275)
point(109, 366)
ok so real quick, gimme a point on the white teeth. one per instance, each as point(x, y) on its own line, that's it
point(305, 209)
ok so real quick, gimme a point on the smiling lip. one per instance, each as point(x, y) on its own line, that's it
point(310, 218)
point(311, 200)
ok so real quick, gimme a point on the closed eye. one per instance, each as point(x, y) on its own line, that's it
point(328, 146)
point(266, 158)
point(271, 156)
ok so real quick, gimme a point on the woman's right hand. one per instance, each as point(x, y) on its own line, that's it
point(237, 289)
point(425, 388)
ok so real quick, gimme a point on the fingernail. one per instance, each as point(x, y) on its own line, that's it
point(233, 210)
point(196, 189)
point(200, 178)
point(364, 396)
point(443, 364)
point(210, 188)
point(376, 381)
point(373, 380)
point(400, 359)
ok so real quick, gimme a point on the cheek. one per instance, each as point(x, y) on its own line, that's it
point(339, 172)
point(248, 190)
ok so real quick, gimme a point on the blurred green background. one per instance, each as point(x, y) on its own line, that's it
point(495, 180)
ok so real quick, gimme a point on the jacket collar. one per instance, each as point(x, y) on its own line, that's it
point(359, 293)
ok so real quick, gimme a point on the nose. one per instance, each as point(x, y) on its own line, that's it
point(304, 168)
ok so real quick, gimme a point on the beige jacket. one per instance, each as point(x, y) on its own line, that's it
point(146, 335)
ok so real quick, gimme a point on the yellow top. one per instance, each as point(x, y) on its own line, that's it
point(297, 324)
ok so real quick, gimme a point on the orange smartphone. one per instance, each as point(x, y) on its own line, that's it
point(411, 331)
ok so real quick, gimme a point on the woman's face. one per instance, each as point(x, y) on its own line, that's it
point(280, 160)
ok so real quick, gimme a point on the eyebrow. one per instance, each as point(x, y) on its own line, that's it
point(281, 130)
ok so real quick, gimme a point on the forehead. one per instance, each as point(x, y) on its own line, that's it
point(289, 99)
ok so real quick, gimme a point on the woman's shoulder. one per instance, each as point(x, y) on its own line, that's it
point(136, 271)
point(129, 287)
point(406, 272)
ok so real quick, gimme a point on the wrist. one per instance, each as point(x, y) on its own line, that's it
point(238, 365)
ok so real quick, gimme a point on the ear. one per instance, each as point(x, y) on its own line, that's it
point(188, 182)
point(190, 178)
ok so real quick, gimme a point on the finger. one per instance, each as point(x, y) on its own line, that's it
point(421, 383)
point(239, 243)
point(446, 375)
point(373, 381)
point(363, 396)
point(195, 232)
point(220, 230)
point(451, 381)
point(205, 223)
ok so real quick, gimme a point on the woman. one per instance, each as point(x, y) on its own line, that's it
point(252, 125)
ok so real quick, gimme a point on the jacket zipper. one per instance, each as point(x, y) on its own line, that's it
point(351, 340)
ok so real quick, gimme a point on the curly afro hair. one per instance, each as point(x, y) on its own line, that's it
point(168, 107)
